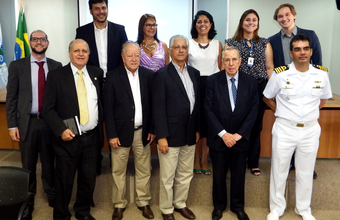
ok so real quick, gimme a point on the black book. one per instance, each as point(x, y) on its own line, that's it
point(73, 125)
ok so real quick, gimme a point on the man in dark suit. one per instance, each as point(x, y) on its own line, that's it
point(74, 92)
point(105, 40)
point(231, 105)
point(175, 98)
point(285, 16)
point(25, 94)
point(128, 121)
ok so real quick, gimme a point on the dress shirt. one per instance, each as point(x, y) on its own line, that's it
point(297, 97)
point(286, 44)
point(34, 80)
point(221, 133)
point(188, 85)
point(135, 88)
point(92, 98)
point(101, 43)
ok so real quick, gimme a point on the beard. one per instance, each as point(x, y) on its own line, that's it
point(39, 52)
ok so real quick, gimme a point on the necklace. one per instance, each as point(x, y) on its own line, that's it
point(151, 47)
point(203, 47)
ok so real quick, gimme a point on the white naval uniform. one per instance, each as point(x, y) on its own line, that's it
point(296, 129)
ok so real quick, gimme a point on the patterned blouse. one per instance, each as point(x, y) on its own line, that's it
point(258, 70)
point(155, 62)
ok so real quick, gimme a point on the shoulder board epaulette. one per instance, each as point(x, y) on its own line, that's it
point(281, 69)
point(320, 67)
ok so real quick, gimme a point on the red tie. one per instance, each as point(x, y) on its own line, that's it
point(41, 84)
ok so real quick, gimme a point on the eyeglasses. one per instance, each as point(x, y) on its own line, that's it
point(36, 39)
point(178, 47)
point(151, 25)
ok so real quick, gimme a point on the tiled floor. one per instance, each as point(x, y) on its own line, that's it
point(325, 203)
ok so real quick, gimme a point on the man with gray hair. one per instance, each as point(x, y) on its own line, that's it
point(175, 98)
point(128, 120)
point(231, 105)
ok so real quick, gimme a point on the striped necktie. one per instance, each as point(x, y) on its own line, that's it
point(82, 99)
point(233, 89)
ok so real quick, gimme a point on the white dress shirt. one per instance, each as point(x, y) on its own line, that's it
point(92, 98)
point(101, 43)
point(135, 88)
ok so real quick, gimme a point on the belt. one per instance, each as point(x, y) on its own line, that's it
point(87, 133)
point(301, 125)
point(37, 116)
point(138, 127)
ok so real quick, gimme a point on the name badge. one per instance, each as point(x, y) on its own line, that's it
point(250, 61)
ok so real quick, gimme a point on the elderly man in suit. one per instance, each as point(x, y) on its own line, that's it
point(176, 116)
point(73, 92)
point(105, 40)
point(128, 121)
point(231, 106)
point(25, 95)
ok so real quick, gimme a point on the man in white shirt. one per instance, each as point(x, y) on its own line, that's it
point(128, 121)
point(300, 90)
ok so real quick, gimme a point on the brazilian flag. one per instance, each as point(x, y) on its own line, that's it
point(21, 48)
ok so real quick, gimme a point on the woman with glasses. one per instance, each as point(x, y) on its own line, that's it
point(154, 53)
point(205, 55)
point(257, 61)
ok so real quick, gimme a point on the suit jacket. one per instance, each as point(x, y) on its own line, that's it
point(115, 39)
point(219, 114)
point(119, 106)
point(171, 107)
point(19, 93)
point(61, 102)
point(276, 44)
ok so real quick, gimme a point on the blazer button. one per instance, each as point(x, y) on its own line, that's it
point(132, 119)
point(133, 106)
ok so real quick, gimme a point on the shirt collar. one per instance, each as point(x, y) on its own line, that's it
point(130, 73)
point(75, 69)
point(96, 29)
point(294, 32)
point(33, 60)
point(178, 67)
point(235, 77)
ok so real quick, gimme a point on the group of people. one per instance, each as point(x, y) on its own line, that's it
point(206, 100)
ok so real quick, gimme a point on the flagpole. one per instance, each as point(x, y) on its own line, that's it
point(21, 5)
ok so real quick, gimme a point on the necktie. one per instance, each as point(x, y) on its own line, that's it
point(82, 99)
point(233, 89)
point(41, 84)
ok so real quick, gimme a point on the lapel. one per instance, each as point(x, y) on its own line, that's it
point(224, 90)
point(26, 75)
point(142, 84)
point(193, 79)
point(92, 41)
point(125, 80)
point(70, 84)
point(173, 73)
point(94, 79)
point(109, 39)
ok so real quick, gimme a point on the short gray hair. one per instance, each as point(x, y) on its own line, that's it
point(230, 48)
point(178, 36)
point(128, 43)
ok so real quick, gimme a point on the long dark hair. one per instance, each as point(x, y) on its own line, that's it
point(239, 31)
point(142, 21)
point(212, 32)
